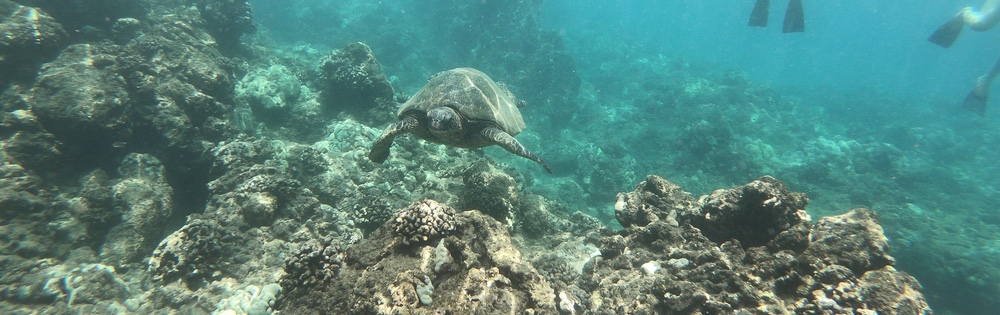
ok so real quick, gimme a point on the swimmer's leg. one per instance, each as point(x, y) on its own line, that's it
point(946, 35)
point(979, 96)
point(794, 18)
point(984, 19)
point(759, 15)
point(976, 102)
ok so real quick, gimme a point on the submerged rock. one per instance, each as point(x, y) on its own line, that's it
point(669, 259)
point(142, 202)
point(82, 100)
point(752, 214)
point(227, 21)
point(270, 92)
point(491, 191)
point(28, 37)
point(193, 253)
point(474, 270)
point(352, 81)
point(700, 257)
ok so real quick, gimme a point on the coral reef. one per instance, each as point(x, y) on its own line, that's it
point(227, 21)
point(28, 37)
point(352, 81)
point(155, 159)
point(27, 206)
point(492, 192)
point(797, 267)
point(753, 214)
point(80, 99)
point(474, 270)
point(658, 199)
point(424, 221)
point(257, 195)
point(252, 300)
point(141, 203)
point(192, 253)
point(89, 288)
point(269, 91)
point(665, 265)
point(315, 264)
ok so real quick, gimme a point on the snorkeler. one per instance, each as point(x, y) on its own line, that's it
point(984, 19)
point(794, 17)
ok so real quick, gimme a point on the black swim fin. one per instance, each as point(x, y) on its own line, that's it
point(759, 15)
point(795, 20)
point(976, 103)
point(946, 35)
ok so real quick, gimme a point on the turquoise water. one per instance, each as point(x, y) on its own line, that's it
point(216, 157)
point(847, 44)
point(857, 111)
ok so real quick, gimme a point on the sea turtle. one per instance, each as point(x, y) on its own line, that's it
point(461, 108)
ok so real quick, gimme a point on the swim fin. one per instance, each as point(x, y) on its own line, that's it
point(946, 35)
point(759, 15)
point(976, 103)
point(795, 20)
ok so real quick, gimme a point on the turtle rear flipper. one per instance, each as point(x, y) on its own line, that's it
point(506, 141)
point(380, 150)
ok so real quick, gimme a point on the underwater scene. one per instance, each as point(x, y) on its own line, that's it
point(499, 157)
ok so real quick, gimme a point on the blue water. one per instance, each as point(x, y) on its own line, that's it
point(865, 112)
point(847, 44)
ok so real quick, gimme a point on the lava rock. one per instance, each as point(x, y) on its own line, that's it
point(652, 200)
point(753, 213)
point(787, 265)
point(854, 240)
point(28, 37)
point(192, 253)
point(352, 81)
point(80, 99)
point(484, 274)
point(227, 20)
point(143, 200)
point(491, 191)
point(32, 215)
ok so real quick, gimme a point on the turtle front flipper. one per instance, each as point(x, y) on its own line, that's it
point(506, 141)
point(380, 150)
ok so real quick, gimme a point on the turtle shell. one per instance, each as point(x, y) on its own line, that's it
point(471, 93)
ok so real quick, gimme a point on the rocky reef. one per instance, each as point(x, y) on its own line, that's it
point(662, 262)
point(473, 268)
point(157, 159)
point(353, 82)
point(678, 261)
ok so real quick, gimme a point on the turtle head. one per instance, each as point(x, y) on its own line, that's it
point(444, 122)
